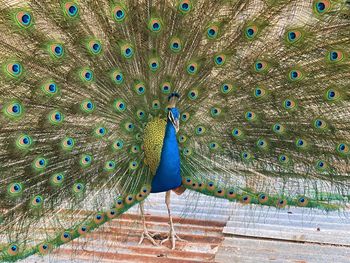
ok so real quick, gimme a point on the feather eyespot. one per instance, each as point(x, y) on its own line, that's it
point(215, 112)
point(343, 149)
point(50, 88)
point(185, 116)
point(187, 151)
point(185, 6)
point(220, 59)
point(85, 160)
point(220, 192)
point(226, 88)
point(39, 164)
point(109, 166)
point(55, 117)
point(119, 203)
point(320, 124)
point(112, 213)
point(119, 105)
point(130, 199)
point(24, 142)
point(129, 127)
point(86, 75)
point(175, 44)
point(154, 64)
point(335, 56)
point(259, 92)
point(303, 201)
point(99, 218)
point(213, 146)
point(100, 131)
point(321, 7)
point(155, 25)
point(71, 9)
point(261, 66)
point(67, 144)
point(37, 201)
point(278, 128)
point(192, 68)
point(231, 194)
point(182, 139)
point(44, 248)
point(293, 36)
point(193, 94)
point(66, 237)
point(200, 130)
point(127, 50)
point(57, 180)
point(212, 32)
point(15, 189)
point(289, 104)
point(140, 88)
point(94, 47)
point(156, 104)
point(300, 143)
point(211, 186)
point(246, 156)
point(13, 250)
point(262, 144)
point(133, 165)
point(87, 106)
point(295, 75)
point(263, 198)
point(281, 203)
point(187, 181)
point(165, 87)
point(117, 77)
point(250, 116)
point(237, 133)
point(321, 166)
point(135, 149)
point(78, 188)
point(119, 13)
point(245, 199)
point(332, 95)
point(118, 144)
point(251, 32)
point(14, 69)
point(82, 230)
point(24, 19)
point(283, 159)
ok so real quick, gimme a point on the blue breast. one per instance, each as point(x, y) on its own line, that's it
point(168, 172)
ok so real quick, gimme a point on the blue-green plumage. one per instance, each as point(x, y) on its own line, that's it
point(168, 172)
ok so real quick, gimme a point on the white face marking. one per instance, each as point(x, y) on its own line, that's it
point(175, 123)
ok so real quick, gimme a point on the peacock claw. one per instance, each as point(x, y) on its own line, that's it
point(150, 237)
point(172, 237)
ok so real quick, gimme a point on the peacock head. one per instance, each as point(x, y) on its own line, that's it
point(173, 112)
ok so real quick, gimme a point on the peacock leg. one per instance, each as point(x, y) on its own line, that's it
point(172, 234)
point(146, 234)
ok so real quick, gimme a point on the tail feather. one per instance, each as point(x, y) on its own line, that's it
point(264, 106)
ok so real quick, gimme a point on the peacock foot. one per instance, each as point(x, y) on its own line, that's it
point(172, 237)
point(149, 236)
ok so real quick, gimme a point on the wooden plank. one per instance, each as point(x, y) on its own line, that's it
point(255, 250)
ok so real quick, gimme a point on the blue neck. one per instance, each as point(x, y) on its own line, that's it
point(170, 133)
point(168, 173)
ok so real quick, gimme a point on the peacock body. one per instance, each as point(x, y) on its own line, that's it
point(91, 122)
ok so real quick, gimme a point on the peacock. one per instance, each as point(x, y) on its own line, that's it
point(105, 102)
